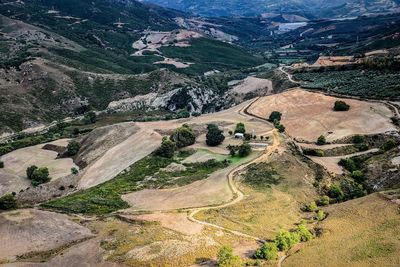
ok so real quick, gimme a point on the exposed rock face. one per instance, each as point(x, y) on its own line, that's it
point(193, 98)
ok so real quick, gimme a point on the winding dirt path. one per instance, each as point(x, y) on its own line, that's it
point(238, 194)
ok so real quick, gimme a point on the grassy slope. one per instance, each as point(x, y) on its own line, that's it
point(360, 232)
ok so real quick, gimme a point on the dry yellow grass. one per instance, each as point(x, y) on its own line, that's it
point(263, 212)
point(360, 232)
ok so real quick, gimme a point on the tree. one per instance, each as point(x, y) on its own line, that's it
point(312, 206)
point(321, 140)
point(8, 202)
point(74, 171)
point(336, 192)
point(391, 143)
point(40, 176)
point(341, 106)
point(90, 117)
point(244, 150)
point(320, 215)
point(275, 116)
point(1, 164)
point(226, 258)
point(285, 240)
point(268, 251)
point(247, 136)
point(358, 139)
point(303, 232)
point(214, 136)
point(30, 170)
point(183, 136)
point(358, 176)
point(166, 149)
point(324, 201)
point(240, 128)
point(280, 128)
point(73, 148)
point(232, 150)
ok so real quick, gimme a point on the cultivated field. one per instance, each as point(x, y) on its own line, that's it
point(308, 115)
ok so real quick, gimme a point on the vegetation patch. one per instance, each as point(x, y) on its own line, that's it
point(261, 176)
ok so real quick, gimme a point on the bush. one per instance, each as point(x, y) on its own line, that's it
point(247, 136)
point(74, 171)
point(232, 150)
point(90, 117)
point(1, 164)
point(8, 202)
point(268, 251)
point(73, 148)
point(214, 135)
point(336, 192)
point(275, 116)
point(324, 201)
point(358, 176)
point(348, 164)
point(389, 144)
point(362, 147)
point(226, 258)
point(30, 170)
point(312, 206)
point(230, 132)
point(358, 139)
point(341, 106)
point(321, 140)
point(240, 128)
point(280, 128)
point(320, 215)
point(166, 149)
point(285, 240)
point(303, 232)
point(39, 175)
point(183, 136)
point(313, 152)
point(244, 150)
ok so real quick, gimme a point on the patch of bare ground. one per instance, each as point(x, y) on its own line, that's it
point(308, 115)
point(331, 163)
point(359, 232)
point(13, 175)
point(251, 84)
point(30, 233)
point(211, 191)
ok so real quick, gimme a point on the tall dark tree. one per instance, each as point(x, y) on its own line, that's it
point(214, 135)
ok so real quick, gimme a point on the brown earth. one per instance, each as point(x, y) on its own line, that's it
point(308, 115)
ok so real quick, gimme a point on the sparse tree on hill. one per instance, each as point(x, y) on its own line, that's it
point(341, 106)
point(1, 164)
point(166, 149)
point(73, 148)
point(321, 140)
point(244, 150)
point(268, 251)
point(38, 175)
point(226, 258)
point(275, 116)
point(240, 128)
point(214, 135)
point(8, 202)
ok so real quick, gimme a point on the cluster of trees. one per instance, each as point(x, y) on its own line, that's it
point(181, 137)
point(38, 175)
point(341, 106)
point(242, 151)
point(275, 117)
point(283, 242)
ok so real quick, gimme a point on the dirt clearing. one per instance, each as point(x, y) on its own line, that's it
point(308, 115)
point(30, 230)
point(251, 84)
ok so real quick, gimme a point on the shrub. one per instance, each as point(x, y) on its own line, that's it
point(226, 258)
point(8, 202)
point(341, 106)
point(214, 136)
point(247, 136)
point(90, 117)
point(230, 132)
point(166, 149)
point(232, 150)
point(30, 170)
point(313, 152)
point(323, 201)
point(268, 251)
point(358, 139)
point(320, 215)
point(196, 114)
point(1, 164)
point(240, 128)
point(183, 136)
point(285, 240)
point(280, 128)
point(348, 164)
point(74, 170)
point(362, 147)
point(336, 192)
point(358, 176)
point(312, 206)
point(39, 176)
point(321, 140)
point(244, 150)
point(389, 144)
point(275, 116)
point(73, 148)
point(303, 232)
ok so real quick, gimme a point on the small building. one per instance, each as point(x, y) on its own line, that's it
point(239, 135)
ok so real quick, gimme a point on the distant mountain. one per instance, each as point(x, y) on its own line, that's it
point(308, 8)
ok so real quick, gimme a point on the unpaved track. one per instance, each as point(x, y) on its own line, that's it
point(235, 190)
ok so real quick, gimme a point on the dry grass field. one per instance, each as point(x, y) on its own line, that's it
point(360, 232)
point(308, 115)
